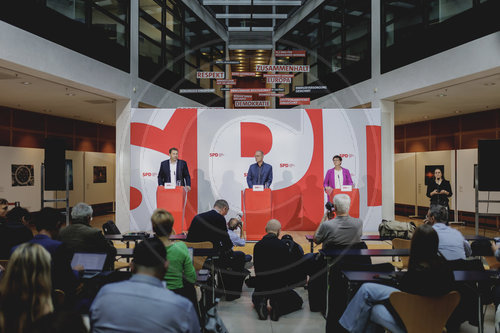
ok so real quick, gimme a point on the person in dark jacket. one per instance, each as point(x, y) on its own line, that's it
point(428, 275)
point(273, 262)
point(211, 226)
point(14, 231)
point(81, 237)
point(439, 189)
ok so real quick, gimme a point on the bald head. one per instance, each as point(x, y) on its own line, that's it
point(273, 226)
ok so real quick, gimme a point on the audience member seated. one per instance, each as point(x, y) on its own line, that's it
point(25, 290)
point(211, 226)
point(13, 232)
point(452, 244)
point(180, 275)
point(143, 304)
point(4, 206)
point(234, 230)
point(81, 237)
point(272, 262)
point(340, 232)
point(343, 230)
point(48, 222)
point(428, 275)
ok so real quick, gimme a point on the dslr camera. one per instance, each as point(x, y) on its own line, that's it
point(330, 210)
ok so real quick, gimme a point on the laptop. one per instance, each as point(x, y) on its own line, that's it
point(92, 263)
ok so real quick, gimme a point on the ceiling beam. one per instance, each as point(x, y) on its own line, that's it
point(248, 3)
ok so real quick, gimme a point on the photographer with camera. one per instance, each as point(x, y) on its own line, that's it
point(341, 230)
point(235, 231)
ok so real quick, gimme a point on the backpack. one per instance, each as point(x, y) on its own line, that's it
point(395, 229)
point(110, 228)
point(295, 250)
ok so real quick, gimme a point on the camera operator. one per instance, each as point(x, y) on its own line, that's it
point(343, 229)
point(235, 231)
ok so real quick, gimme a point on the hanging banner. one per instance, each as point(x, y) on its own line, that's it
point(272, 95)
point(308, 89)
point(282, 68)
point(224, 82)
point(241, 74)
point(227, 62)
point(210, 75)
point(243, 97)
point(250, 90)
point(252, 103)
point(273, 79)
point(196, 91)
point(295, 101)
point(290, 53)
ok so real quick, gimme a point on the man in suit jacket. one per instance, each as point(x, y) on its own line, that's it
point(174, 170)
point(211, 226)
point(273, 267)
point(79, 236)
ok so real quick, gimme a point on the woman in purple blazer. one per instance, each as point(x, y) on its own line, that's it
point(337, 176)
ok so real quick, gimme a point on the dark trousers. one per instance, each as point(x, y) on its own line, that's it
point(232, 268)
point(286, 302)
point(189, 292)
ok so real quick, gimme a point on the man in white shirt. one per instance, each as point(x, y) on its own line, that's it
point(174, 171)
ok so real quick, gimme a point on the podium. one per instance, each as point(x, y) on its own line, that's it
point(257, 212)
point(174, 201)
point(354, 195)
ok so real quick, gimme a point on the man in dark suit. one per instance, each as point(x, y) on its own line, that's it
point(79, 236)
point(273, 263)
point(211, 226)
point(174, 170)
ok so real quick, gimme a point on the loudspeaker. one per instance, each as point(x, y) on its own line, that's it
point(55, 164)
point(487, 165)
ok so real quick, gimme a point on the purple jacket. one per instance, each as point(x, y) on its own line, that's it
point(330, 178)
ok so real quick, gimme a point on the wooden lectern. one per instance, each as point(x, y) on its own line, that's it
point(174, 201)
point(257, 212)
point(354, 195)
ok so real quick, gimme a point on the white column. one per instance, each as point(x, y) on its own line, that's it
point(122, 191)
point(387, 118)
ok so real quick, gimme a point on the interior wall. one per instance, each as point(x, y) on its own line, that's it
point(404, 178)
point(83, 187)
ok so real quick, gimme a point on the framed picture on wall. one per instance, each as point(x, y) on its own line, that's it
point(99, 174)
point(23, 175)
point(429, 172)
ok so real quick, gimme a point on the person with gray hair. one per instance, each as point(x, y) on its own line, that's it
point(81, 213)
point(343, 229)
point(79, 236)
point(452, 244)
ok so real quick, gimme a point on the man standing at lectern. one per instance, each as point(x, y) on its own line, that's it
point(260, 173)
point(174, 171)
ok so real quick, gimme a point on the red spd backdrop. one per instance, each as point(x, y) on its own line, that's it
point(219, 144)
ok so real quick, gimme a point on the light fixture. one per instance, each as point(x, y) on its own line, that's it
point(426, 117)
point(441, 95)
point(70, 94)
point(26, 83)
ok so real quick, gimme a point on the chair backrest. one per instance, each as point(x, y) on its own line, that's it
point(399, 243)
point(198, 261)
point(424, 314)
